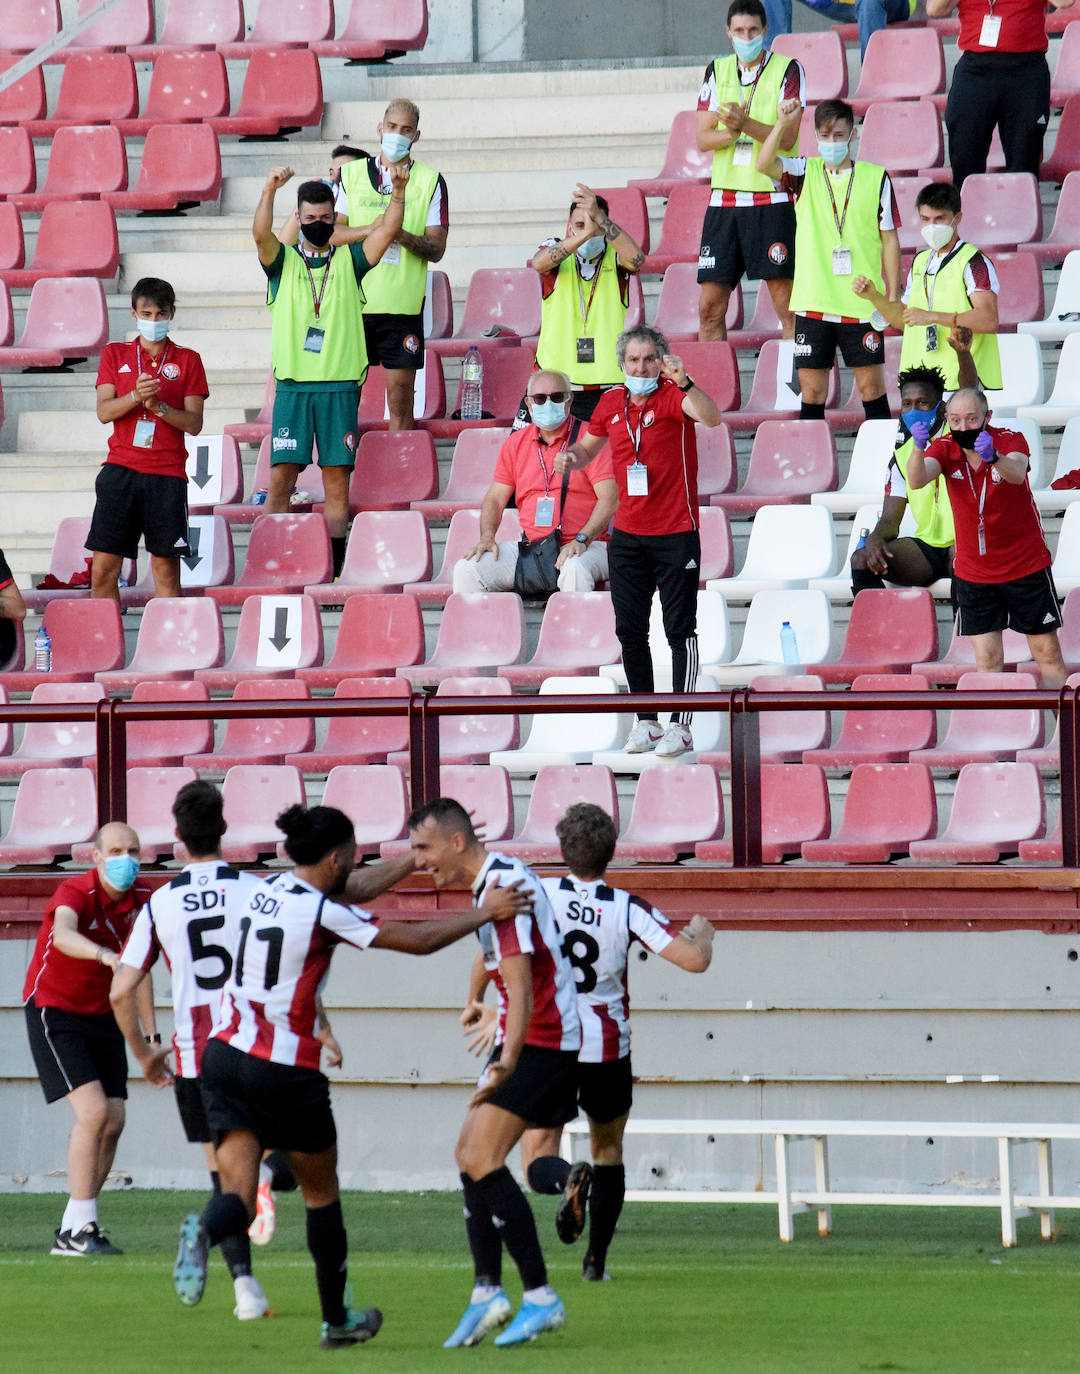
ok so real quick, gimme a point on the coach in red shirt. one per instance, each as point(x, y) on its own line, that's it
point(1001, 568)
point(75, 1041)
point(655, 542)
point(151, 391)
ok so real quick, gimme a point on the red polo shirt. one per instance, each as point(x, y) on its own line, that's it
point(180, 372)
point(1023, 25)
point(527, 464)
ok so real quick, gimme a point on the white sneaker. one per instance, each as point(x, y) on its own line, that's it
point(251, 1301)
point(643, 737)
point(675, 740)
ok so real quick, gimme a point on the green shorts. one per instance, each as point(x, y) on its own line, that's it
point(320, 415)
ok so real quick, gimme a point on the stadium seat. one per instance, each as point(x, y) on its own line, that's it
point(470, 739)
point(674, 809)
point(96, 88)
point(717, 547)
point(995, 806)
point(1059, 165)
point(308, 492)
point(377, 635)
point(824, 62)
point(177, 635)
point(150, 795)
point(851, 414)
point(1023, 389)
point(577, 635)
point(375, 799)
point(890, 629)
point(87, 637)
point(1044, 851)
point(284, 24)
point(438, 307)
point(771, 398)
point(1057, 326)
point(215, 474)
point(254, 796)
point(260, 739)
point(66, 322)
point(1064, 235)
point(12, 255)
point(54, 809)
point(165, 742)
point(356, 738)
point(683, 160)
point(716, 370)
point(392, 470)
point(130, 22)
point(557, 787)
point(18, 170)
point(69, 556)
point(55, 744)
point(29, 26)
point(506, 377)
point(680, 235)
point(1002, 209)
point(377, 29)
point(810, 617)
point(471, 471)
point(677, 307)
point(256, 430)
point(181, 167)
point(462, 535)
point(480, 632)
point(1066, 79)
point(900, 64)
point(784, 735)
point(627, 208)
point(76, 238)
point(869, 462)
point(566, 737)
point(959, 659)
point(717, 466)
point(764, 325)
point(1020, 294)
point(887, 806)
point(386, 549)
point(1068, 636)
point(206, 25)
point(714, 641)
point(794, 809)
point(789, 462)
point(485, 793)
point(282, 93)
point(1063, 402)
point(1066, 565)
point(85, 161)
point(285, 554)
point(883, 735)
point(787, 546)
point(276, 635)
point(903, 136)
point(429, 397)
point(498, 298)
point(991, 734)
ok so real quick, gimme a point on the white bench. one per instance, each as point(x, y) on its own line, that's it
point(821, 1197)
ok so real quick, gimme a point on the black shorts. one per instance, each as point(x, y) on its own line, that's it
point(70, 1050)
point(192, 1109)
point(1029, 605)
point(286, 1108)
point(139, 505)
point(816, 342)
point(395, 341)
point(542, 1090)
point(756, 241)
point(939, 558)
point(606, 1091)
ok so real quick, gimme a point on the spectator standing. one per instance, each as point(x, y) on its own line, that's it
point(870, 15)
point(12, 609)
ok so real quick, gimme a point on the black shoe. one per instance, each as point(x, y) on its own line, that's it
point(572, 1210)
point(89, 1243)
point(592, 1272)
point(358, 1327)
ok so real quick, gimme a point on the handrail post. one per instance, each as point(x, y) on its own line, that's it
point(1069, 775)
point(745, 782)
point(423, 750)
point(111, 763)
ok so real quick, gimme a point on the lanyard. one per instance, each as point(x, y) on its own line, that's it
point(316, 299)
point(138, 364)
point(753, 85)
point(839, 219)
point(540, 454)
point(595, 282)
point(981, 500)
point(634, 436)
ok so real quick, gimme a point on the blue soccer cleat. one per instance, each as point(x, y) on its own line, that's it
point(479, 1319)
point(357, 1328)
point(531, 1320)
point(189, 1271)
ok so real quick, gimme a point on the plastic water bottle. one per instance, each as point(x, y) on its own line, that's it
point(42, 651)
point(789, 645)
point(472, 386)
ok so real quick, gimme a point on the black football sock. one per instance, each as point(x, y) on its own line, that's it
point(863, 578)
point(512, 1215)
point(811, 412)
point(329, 1246)
point(605, 1204)
point(337, 546)
point(224, 1215)
point(878, 408)
point(235, 1249)
point(484, 1240)
point(282, 1178)
point(548, 1174)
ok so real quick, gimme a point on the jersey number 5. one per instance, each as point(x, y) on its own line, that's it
point(201, 949)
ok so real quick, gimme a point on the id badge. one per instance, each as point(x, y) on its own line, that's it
point(990, 31)
point(313, 339)
point(742, 153)
point(637, 480)
point(392, 254)
point(545, 512)
point(586, 350)
point(931, 338)
point(144, 434)
point(982, 540)
point(841, 261)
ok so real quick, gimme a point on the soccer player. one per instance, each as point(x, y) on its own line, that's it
point(260, 1078)
point(530, 1077)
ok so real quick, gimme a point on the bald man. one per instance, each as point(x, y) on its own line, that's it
point(77, 1046)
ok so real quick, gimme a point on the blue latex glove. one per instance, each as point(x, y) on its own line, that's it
point(920, 434)
point(984, 446)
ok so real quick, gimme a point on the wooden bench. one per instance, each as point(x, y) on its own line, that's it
point(822, 1197)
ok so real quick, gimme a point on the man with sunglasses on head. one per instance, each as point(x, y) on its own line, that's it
point(526, 471)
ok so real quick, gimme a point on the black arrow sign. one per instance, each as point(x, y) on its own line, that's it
point(201, 475)
point(192, 558)
point(281, 620)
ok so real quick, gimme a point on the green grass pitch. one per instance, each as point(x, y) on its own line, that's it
point(695, 1288)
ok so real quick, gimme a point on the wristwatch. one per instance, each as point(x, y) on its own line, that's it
point(581, 537)
point(689, 385)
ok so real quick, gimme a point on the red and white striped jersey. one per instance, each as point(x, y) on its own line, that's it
point(287, 936)
point(194, 923)
point(554, 1024)
point(598, 924)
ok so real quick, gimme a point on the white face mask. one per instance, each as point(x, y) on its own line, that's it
point(153, 331)
point(937, 235)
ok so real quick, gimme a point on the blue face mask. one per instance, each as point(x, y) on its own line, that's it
point(120, 871)
point(549, 415)
point(833, 153)
point(919, 417)
point(591, 248)
point(153, 331)
point(395, 146)
point(641, 386)
point(748, 49)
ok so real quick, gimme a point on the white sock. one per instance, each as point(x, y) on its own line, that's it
point(541, 1297)
point(79, 1213)
point(484, 1292)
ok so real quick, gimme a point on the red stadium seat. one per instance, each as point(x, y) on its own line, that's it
point(241, 512)
point(674, 809)
point(1044, 851)
point(1002, 209)
point(85, 161)
point(879, 736)
point(556, 787)
point(770, 398)
point(506, 378)
point(214, 471)
point(386, 549)
point(18, 170)
point(959, 658)
point(69, 556)
point(76, 238)
point(577, 636)
point(990, 735)
point(716, 460)
point(471, 739)
point(375, 799)
point(28, 26)
point(276, 635)
point(900, 64)
point(765, 324)
point(888, 805)
point(151, 792)
point(995, 806)
point(181, 167)
point(462, 535)
point(438, 307)
point(499, 298)
point(484, 790)
point(185, 87)
point(254, 796)
point(480, 633)
point(1066, 155)
point(429, 399)
point(1066, 79)
point(54, 809)
point(784, 734)
point(128, 23)
point(683, 161)
point(794, 809)
point(209, 562)
point(680, 235)
point(716, 370)
point(677, 308)
point(259, 739)
point(378, 29)
point(851, 414)
point(209, 24)
point(471, 471)
point(359, 739)
point(12, 255)
point(284, 24)
point(904, 136)
point(66, 322)
point(255, 431)
point(790, 460)
point(282, 93)
point(285, 554)
point(177, 635)
point(627, 209)
point(890, 629)
point(55, 744)
point(24, 99)
point(392, 470)
point(166, 742)
point(87, 637)
point(823, 60)
point(717, 546)
point(1020, 297)
point(377, 635)
point(96, 88)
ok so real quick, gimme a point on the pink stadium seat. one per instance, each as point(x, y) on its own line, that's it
point(6, 733)
point(87, 637)
point(209, 24)
point(76, 238)
point(903, 136)
point(498, 298)
point(577, 635)
point(66, 322)
point(900, 64)
point(241, 512)
point(790, 460)
point(1044, 851)
point(483, 789)
point(906, 190)
point(462, 535)
point(386, 549)
point(674, 808)
point(1068, 636)
point(683, 160)
point(1047, 757)
point(851, 414)
point(680, 235)
point(429, 412)
point(960, 658)
point(1065, 157)
point(260, 739)
point(377, 635)
point(130, 22)
point(392, 470)
point(284, 24)
point(888, 805)
point(480, 632)
point(717, 546)
point(18, 170)
point(165, 742)
point(375, 799)
point(995, 806)
point(506, 377)
point(716, 460)
point(765, 324)
point(677, 308)
point(470, 739)
point(69, 556)
point(556, 787)
point(209, 562)
point(879, 736)
point(54, 809)
point(177, 635)
point(627, 208)
point(85, 161)
point(24, 99)
point(823, 59)
point(762, 404)
point(1021, 295)
point(282, 93)
point(1002, 209)
point(7, 330)
point(1066, 79)
point(471, 471)
point(150, 795)
point(359, 739)
point(990, 735)
point(784, 734)
point(55, 744)
point(266, 648)
point(285, 554)
point(96, 88)
point(794, 809)
point(254, 797)
point(715, 368)
point(378, 28)
point(440, 303)
point(1064, 235)
point(890, 629)
point(181, 167)
point(204, 489)
point(28, 26)
point(256, 430)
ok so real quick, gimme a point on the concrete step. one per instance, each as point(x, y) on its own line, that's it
point(46, 431)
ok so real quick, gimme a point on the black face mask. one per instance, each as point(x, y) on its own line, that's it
point(318, 233)
point(966, 437)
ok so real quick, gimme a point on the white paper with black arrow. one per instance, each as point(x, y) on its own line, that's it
point(279, 632)
point(204, 465)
